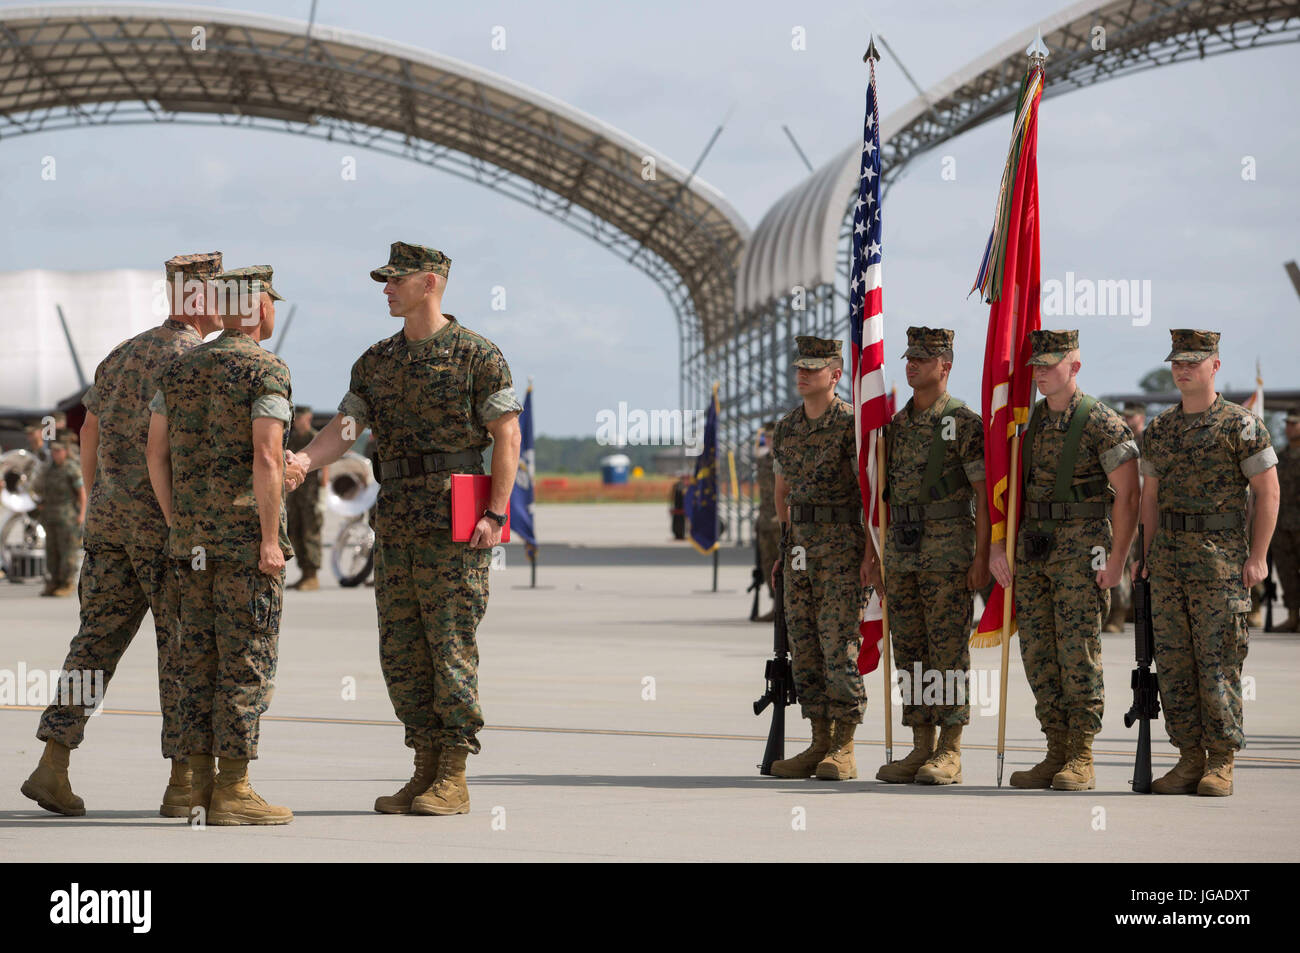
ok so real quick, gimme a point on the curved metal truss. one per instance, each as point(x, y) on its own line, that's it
point(85, 66)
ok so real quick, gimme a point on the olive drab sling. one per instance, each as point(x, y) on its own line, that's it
point(1069, 502)
point(907, 521)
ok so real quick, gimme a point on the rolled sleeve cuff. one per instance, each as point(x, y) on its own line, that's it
point(974, 470)
point(1259, 462)
point(776, 468)
point(158, 405)
point(90, 400)
point(273, 405)
point(353, 406)
point(1148, 469)
point(502, 402)
point(1119, 455)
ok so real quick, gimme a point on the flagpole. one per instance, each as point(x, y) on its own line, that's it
point(885, 656)
point(1013, 496)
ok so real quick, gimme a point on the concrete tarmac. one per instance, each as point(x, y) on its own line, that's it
point(618, 702)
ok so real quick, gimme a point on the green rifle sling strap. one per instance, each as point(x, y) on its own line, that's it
point(1063, 491)
point(935, 485)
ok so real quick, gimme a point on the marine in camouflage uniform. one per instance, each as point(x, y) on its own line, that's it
point(59, 487)
point(212, 403)
point(1065, 540)
point(126, 570)
point(768, 527)
point(1285, 547)
point(817, 481)
point(433, 405)
point(1121, 597)
point(934, 485)
point(304, 508)
point(1199, 467)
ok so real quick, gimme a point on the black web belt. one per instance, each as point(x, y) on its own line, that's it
point(1037, 510)
point(1201, 522)
point(825, 514)
point(923, 512)
point(423, 463)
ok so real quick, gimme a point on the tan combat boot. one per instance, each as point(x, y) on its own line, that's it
point(1218, 774)
point(1184, 776)
point(1040, 775)
point(176, 799)
point(1254, 620)
point(234, 802)
point(1078, 774)
point(67, 589)
point(903, 772)
point(202, 776)
point(804, 764)
point(426, 770)
point(839, 763)
point(49, 786)
point(945, 766)
point(449, 794)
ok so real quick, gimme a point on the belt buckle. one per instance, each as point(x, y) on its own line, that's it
point(1057, 511)
point(404, 467)
point(817, 514)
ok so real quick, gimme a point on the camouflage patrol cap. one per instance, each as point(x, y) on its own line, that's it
point(301, 409)
point(929, 342)
point(816, 353)
point(1050, 347)
point(1132, 408)
point(259, 275)
point(200, 265)
point(1293, 417)
point(1193, 346)
point(769, 425)
point(406, 259)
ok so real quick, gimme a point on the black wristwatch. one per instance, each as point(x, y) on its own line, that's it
point(500, 520)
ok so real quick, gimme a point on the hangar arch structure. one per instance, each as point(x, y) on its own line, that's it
point(794, 272)
point(82, 66)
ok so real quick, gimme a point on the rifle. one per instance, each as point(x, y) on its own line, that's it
point(780, 680)
point(1270, 594)
point(756, 584)
point(1146, 694)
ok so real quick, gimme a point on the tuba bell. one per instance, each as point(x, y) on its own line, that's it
point(18, 471)
point(352, 488)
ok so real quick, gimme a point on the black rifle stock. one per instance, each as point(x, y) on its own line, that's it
point(780, 681)
point(1146, 689)
point(756, 584)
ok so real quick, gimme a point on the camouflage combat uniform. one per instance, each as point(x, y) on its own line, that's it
point(817, 459)
point(304, 509)
point(229, 617)
point(1285, 546)
point(57, 486)
point(929, 604)
point(1199, 603)
point(425, 398)
point(1059, 608)
point(126, 569)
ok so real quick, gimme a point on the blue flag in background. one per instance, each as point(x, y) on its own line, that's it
point(521, 496)
point(702, 494)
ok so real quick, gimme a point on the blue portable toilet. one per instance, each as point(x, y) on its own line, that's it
point(614, 468)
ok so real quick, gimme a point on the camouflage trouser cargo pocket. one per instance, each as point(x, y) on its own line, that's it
point(266, 604)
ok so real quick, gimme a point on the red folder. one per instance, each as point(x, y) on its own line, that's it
point(470, 493)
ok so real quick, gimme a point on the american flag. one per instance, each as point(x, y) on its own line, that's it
point(867, 325)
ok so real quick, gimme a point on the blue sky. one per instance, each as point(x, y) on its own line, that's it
point(1140, 178)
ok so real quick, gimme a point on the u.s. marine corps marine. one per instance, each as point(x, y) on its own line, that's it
point(820, 505)
point(61, 490)
point(435, 396)
point(126, 570)
point(1079, 510)
point(216, 453)
point(1285, 547)
point(1201, 458)
point(936, 555)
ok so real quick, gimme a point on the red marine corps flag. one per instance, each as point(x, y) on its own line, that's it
point(1008, 280)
